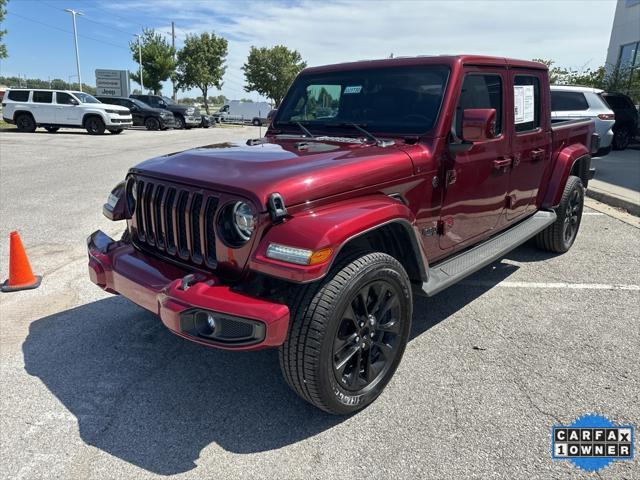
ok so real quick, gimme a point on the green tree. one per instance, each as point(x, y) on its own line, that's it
point(270, 71)
point(157, 60)
point(201, 63)
point(3, 12)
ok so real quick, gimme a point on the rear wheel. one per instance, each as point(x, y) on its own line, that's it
point(25, 123)
point(152, 123)
point(348, 333)
point(560, 235)
point(94, 125)
point(621, 138)
point(52, 129)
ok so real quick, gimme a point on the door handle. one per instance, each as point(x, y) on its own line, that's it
point(537, 154)
point(502, 163)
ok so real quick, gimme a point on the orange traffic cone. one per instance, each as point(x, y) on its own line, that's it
point(20, 275)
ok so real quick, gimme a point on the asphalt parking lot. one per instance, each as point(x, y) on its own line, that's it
point(94, 387)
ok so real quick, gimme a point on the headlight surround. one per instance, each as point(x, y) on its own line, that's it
point(132, 195)
point(236, 223)
point(190, 111)
point(115, 112)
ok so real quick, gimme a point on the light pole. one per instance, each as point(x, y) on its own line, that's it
point(140, 60)
point(75, 36)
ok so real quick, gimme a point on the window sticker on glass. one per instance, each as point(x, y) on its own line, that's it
point(523, 102)
point(352, 89)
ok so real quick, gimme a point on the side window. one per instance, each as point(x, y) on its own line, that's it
point(64, 98)
point(42, 97)
point(480, 91)
point(526, 102)
point(18, 95)
point(562, 101)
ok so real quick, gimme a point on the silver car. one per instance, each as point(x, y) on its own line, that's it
point(569, 102)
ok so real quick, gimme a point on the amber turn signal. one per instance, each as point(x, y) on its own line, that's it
point(320, 256)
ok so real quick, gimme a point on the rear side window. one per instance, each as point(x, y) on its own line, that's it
point(111, 101)
point(480, 91)
point(568, 101)
point(18, 95)
point(64, 98)
point(526, 97)
point(42, 97)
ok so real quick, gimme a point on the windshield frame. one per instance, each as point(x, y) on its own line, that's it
point(281, 125)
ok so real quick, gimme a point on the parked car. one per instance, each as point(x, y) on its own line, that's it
point(185, 115)
point(315, 238)
point(626, 124)
point(143, 114)
point(236, 111)
point(570, 102)
point(31, 108)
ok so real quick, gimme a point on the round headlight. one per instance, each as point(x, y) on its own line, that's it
point(243, 220)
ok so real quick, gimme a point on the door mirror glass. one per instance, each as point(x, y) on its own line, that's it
point(478, 124)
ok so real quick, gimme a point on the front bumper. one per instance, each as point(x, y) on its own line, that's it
point(193, 120)
point(120, 121)
point(115, 266)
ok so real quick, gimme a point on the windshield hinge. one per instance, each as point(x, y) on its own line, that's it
point(276, 207)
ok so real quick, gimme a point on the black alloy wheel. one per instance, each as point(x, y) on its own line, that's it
point(368, 337)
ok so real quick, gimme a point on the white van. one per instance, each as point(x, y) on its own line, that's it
point(52, 109)
point(236, 111)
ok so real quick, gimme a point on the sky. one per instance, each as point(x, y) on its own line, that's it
point(574, 33)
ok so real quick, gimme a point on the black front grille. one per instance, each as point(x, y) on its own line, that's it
point(176, 222)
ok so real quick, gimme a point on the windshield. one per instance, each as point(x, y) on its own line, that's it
point(403, 100)
point(168, 101)
point(86, 98)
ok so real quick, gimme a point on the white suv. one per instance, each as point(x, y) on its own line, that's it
point(571, 102)
point(52, 109)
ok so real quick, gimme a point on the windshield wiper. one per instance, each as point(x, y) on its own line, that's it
point(378, 141)
point(302, 128)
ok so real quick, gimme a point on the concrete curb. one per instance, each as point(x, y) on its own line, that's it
point(614, 201)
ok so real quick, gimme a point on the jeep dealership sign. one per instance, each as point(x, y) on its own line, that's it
point(113, 83)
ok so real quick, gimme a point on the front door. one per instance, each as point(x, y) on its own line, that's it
point(476, 181)
point(531, 138)
point(67, 110)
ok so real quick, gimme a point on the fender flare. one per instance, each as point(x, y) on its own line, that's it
point(335, 226)
point(563, 165)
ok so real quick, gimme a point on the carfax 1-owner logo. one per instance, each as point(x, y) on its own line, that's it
point(592, 442)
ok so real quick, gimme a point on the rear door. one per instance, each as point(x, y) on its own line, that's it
point(43, 108)
point(530, 133)
point(476, 186)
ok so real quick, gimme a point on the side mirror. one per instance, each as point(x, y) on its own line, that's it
point(478, 124)
point(73, 101)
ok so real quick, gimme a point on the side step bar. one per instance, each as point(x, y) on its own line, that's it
point(452, 270)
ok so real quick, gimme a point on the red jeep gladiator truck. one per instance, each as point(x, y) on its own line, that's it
point(376, 181)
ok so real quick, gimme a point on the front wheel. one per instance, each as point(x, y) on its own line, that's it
point(180, 122)
point(94, 125)
point(348, 333)
point(152, 123)
point(116, 131)
point(560, 235)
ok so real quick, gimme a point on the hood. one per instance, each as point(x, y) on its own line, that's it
point(108, 106)
point(298, 170)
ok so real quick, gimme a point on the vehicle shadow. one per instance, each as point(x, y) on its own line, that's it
point(155, 400)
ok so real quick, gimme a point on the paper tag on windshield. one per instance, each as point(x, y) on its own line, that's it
point(353, 89)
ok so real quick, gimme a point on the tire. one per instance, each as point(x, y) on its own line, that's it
point(321, 358)
point(621, 138)
point(94, 125)
point(52, 129)
point(25, 123)
point(560, 235)
point(116, 131)
point(256, 122)
point(180, 123)
point(152, 123)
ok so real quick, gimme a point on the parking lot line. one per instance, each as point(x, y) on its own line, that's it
point(554, 285)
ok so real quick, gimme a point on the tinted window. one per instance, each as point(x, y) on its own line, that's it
point(567, 101)
point(402, 100)
point(109, 100)
point(618, 102)
point(42, 97)
point(526, 102)
point(64, 98)
point(480, 91)
point(19, 95)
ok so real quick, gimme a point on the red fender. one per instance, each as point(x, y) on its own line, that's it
point(333, 227)
point(562, 167)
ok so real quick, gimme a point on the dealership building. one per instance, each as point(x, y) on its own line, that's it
point(625, 35)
